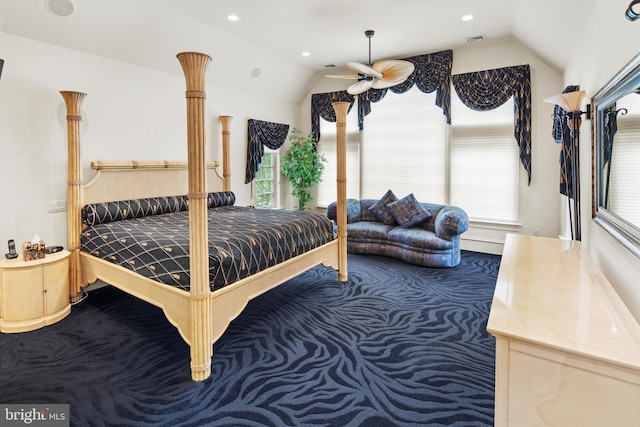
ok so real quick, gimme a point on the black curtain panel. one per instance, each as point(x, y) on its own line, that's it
point(432, 73)
point(261, 134)
point(562, 135)
point(489, 89)
point(321, 106)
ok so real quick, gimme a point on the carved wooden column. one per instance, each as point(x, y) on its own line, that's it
point(341, 109)
point(75, 191)
point(194, 66)
point(225, 121)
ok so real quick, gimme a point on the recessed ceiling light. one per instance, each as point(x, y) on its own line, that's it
point(60, 8)
point(467, 18)
point(306, 53)
point(233, 18)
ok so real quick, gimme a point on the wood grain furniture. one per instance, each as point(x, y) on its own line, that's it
point(33, 293)
point(567, 348)
point(200, 315)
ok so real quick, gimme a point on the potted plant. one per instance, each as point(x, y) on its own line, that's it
point(302, 166)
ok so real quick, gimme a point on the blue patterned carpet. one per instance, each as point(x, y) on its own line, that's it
point(398, 345)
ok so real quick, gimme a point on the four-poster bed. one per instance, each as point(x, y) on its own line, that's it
point(200, 311)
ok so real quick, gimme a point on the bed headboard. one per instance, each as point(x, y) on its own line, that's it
point(126, 180)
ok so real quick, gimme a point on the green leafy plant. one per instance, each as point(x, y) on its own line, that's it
point(302, 166)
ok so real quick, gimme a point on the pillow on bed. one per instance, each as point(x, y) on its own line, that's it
point(221, 198)
point(408, 212)
point(105, 212)
point(381, 211)
point(102, 213)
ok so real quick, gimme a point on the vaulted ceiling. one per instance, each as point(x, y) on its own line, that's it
point(270, 35)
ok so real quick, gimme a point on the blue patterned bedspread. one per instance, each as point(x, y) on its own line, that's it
point(242, 242)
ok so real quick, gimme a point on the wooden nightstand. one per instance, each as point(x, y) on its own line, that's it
point(34, 293)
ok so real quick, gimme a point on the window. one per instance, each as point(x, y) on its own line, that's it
point(404, 147)
point(484, 162)
point(326, 190)
point(266, 188)
point(407, 146)
point(625, 173)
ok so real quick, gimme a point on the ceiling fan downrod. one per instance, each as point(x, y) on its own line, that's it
point(369, 34)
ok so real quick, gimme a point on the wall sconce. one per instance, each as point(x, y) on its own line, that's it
point(630, 14)
point(569, 104)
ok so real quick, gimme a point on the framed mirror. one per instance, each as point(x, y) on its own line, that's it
point(616, 156)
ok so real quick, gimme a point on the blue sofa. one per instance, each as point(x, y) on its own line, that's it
point(434, 242)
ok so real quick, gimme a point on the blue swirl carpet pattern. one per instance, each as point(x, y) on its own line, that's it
point(397, 345)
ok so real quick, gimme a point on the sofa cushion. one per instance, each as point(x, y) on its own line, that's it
point(419, 238)
point(381, 211)
point(408, 212)
point(368, 231)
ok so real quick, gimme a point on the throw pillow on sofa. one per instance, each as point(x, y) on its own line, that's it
point(408, 212)
point(381, 211)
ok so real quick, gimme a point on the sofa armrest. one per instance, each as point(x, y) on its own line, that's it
point(451, 221)
point(354, 214)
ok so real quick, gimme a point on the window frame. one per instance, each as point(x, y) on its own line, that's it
point(275, 179)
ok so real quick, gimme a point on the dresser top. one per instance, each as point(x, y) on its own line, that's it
point(550, 292)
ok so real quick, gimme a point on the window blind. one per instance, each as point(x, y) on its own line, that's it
point(404, 148)
point(625, 173)
point(484, 163)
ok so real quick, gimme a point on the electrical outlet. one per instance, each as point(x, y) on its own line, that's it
point(57, 206)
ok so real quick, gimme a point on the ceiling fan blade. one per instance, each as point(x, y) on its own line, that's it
point(361, 86)
point(383, 83)
point(363, 69)
point(394, 70)
point(343, 76)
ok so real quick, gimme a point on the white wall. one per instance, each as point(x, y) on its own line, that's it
point(539, 202)
point(130, 113)
point(609, 42)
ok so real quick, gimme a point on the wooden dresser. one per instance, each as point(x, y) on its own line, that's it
point(567, 348)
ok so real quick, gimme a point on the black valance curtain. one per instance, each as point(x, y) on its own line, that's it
point(562, 135)
point(321, 106)
point(489, 89)
point(261, 134)
point(432, 72)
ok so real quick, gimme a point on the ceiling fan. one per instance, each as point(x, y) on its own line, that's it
point(382, 74)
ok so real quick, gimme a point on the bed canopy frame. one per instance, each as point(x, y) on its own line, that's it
point(200, 315)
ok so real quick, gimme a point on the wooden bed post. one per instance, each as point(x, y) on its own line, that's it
point(75, 195)
point(341, 109)
point(225, 121)
point(194, 65)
